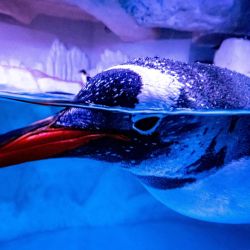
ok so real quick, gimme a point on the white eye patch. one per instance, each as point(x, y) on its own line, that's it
point(159, 90)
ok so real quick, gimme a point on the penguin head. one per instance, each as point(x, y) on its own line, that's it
point(125, 87)
point(133, 85)
point(121, 88)
point(98, 133)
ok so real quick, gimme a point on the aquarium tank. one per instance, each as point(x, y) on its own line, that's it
point(124, 124)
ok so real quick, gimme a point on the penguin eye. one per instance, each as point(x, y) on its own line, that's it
point(146, 125)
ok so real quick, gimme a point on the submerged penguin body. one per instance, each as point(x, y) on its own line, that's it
point(205, 171)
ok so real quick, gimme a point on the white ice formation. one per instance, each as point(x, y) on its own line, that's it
point(108, 59)
point(234, 54)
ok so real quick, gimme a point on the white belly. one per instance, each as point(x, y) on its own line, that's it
point(221, 197)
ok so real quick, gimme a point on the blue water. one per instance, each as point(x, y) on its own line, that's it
point(87, 204)
point(64, 99)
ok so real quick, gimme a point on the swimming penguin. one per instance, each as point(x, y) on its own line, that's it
point(194, 157)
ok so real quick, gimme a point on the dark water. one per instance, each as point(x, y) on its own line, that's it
point(47, 204)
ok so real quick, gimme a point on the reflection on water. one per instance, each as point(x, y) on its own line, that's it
point(64, 99)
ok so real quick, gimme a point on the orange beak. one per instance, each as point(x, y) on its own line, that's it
point(46, 142)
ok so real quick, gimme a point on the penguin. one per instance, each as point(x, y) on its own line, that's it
point(84, 76)
point(185, 134)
